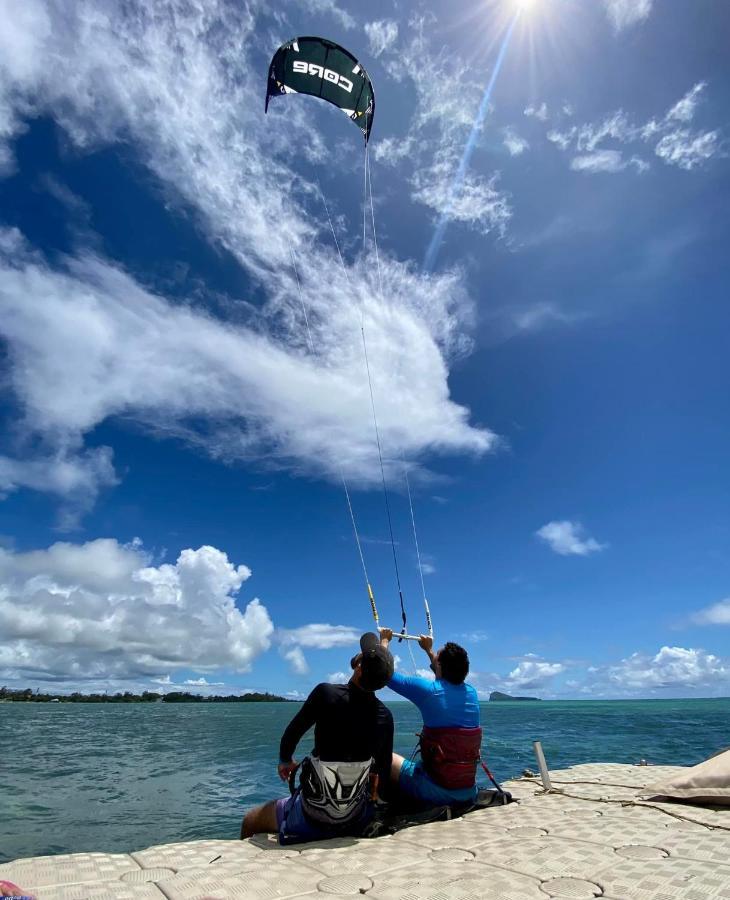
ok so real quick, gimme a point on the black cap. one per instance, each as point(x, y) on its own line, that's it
point(376, 662)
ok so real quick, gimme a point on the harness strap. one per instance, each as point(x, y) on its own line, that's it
point(491, 777)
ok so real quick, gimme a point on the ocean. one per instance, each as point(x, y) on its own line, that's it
point(116, 777)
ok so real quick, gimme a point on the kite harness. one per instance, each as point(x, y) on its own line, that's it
point(450, 756)
point(334, 794)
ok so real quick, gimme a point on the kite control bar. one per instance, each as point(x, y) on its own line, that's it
point(402, 636)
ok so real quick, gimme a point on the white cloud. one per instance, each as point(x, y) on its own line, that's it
point(609, 161)
point(600, 161)
point(616, 127)
point(717, 614)
point(562, 138)
point(99, 345)
point(474, 637)
point(75, 475)
point(671, 667)
point(381, 35)
point(392, 150)
point(515, 144)
point(297, 661)
point(446, 107)
point(428, 567)
point(684, 109)
point(339, 677)
point(319, 636)
point(99, 610)
point(624, 13)
point(330, 7)
point(533, 673)
point(674, 142)
point(22, 34)
point(687, 149)
point(202, 682)
point(538, 315)
point(182, 89)
point(537, 112)
point(479, 202)
point(568, 539)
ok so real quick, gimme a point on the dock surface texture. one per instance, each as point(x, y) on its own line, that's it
point(592, 837)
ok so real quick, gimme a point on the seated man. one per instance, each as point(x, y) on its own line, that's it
point(353, 747)
point(451, 738)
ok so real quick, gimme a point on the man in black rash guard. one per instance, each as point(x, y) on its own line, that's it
point(351, 759)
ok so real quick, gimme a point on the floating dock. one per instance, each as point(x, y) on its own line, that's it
point(590, 837)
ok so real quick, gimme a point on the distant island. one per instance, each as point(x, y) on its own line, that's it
point(30, 696)
point(498, 695)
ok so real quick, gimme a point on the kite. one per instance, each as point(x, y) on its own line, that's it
point(321, 68)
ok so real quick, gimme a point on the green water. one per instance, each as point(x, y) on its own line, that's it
point(119, 777)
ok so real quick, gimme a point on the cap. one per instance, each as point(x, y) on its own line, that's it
point(376, 662)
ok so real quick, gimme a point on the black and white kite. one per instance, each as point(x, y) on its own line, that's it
point(321, 68)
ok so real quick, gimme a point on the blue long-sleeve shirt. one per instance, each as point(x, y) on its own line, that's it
point(442, 704)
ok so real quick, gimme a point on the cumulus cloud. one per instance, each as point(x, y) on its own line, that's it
point(533, 673)
point(568, 539)
point(339, 677)
point(180, 86)
point(671, 667)
point(624, 13)
point(100, 610)
point(381, 35)
point(316, 636)
point(297, 661)
point(447, 101)
point(319, 636)
point(673, 141)
point(717, 614)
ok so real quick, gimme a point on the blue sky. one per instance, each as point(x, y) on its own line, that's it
point(555, 385)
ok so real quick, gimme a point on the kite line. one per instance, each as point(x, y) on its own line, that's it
point(321, 68)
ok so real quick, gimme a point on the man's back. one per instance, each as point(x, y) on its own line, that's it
point(442, 704)
point(350, 725)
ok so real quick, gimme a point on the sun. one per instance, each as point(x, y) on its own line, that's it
point(525, 6)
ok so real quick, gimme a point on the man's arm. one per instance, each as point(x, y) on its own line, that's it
point(295, 731)
point(412, 687)
point(425, 642)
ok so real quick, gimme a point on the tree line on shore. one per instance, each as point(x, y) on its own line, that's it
point(30, 696)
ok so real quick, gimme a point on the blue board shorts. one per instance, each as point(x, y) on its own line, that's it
point(295, 828)
point(414, 782)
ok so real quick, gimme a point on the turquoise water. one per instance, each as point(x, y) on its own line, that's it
point(119, 777)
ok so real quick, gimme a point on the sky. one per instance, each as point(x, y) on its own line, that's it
point(184, 388)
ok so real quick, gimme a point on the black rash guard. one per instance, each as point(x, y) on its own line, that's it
point(350, 725)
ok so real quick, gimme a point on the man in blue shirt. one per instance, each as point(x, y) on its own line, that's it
point(451, 738)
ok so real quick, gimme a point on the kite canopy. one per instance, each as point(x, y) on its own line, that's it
point(321, 68)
